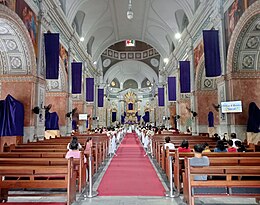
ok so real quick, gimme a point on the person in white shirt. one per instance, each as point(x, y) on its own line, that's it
point(168, 144)
point(234, 139)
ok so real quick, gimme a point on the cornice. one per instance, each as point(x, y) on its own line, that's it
point(22, 78)
point(242, 75)
point(57, 94)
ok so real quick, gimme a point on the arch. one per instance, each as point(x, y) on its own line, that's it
point(17, 55)
point(124, 70)
point(130, 83)
point(78, 21)
point(59, 85)
point(182, 20)
point(90, 44)
point(249, 17)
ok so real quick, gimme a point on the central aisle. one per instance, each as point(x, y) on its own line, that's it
point(130, 173)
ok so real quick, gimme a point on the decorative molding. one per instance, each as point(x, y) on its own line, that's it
point(17, 52)
point(57, 94)
point(249, 18)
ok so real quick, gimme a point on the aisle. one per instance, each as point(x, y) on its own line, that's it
point(130, 173)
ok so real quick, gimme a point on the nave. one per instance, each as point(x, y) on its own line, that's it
point(128, 177)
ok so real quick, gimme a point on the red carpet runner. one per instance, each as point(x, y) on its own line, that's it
point(130, 173)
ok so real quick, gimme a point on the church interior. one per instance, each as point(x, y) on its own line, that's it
point(112, 83)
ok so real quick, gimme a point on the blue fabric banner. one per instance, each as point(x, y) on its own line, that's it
point(172, 88)
point(211, 53)
point(52, 52)
point(185, 76)
point(76, 75)
point(100, 97)
point(161, 96)
point(11, 117)
point(113, 116)
point(89, 89)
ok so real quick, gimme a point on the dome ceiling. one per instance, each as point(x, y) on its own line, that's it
point(104, 24)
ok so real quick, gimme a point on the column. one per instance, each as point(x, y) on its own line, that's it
point(190, 51)
point(69, 101)
point(39, 120)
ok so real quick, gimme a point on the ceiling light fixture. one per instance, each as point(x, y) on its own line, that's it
point(177, 35)
point(130, 13)
point(166, 60)
point(81, 39)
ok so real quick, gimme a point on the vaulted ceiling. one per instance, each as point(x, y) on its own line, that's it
point(103, 23)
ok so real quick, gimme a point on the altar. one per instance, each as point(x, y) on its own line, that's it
point(130, 100)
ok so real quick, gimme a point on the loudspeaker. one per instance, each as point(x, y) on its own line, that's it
point(36, 110)
point(68, 114)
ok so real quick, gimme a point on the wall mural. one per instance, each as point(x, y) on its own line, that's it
point(198, 53)
point(64, 57)
point(232, 15)
point(28, 17)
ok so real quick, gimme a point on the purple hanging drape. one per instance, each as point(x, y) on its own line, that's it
point(74, 124)
point(161, 96)
point(210, 119)
point(130, 106)
point(52, 52)
point(113, 116)
point(185, 76)
point(100, 97)
point(146, 117)
point(76, 75)
point(11, 117)
point(89, 89)
point(253, 122)
point(51, 121)
point(211, 53)
point(138, 118)
point(172, 88)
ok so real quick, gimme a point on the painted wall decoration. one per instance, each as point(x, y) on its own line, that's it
point(64, 57)
point(29, 19)
point(198, 53)
point(232, 15)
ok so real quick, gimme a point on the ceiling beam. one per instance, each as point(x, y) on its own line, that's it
point(146, 12)
point(114, 18)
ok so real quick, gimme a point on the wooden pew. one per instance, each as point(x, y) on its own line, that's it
point(79, 165)
point(38, 177)
point(231, 186)
point(226, 158)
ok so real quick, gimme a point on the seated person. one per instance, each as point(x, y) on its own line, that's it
point(240, 146)
point(206, 147)
point(74, 140)
point(168, 144)
point(234, 138)
point(230, 146)
point(220, 147)
point(88, 146)
point(74, 151)
point(184, 147)
point(199, 161)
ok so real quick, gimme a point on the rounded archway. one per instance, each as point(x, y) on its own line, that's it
point(17, 56)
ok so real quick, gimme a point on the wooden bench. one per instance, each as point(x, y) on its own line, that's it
point(38, 177)
point(79, 165)
point(225, 158)
point(234, 182)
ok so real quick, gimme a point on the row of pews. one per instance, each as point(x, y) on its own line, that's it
point(42, 165)
point(229, 174)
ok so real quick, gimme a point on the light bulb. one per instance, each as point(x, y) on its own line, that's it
point(130, 14)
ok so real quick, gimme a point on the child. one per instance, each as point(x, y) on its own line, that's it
point(230, 146)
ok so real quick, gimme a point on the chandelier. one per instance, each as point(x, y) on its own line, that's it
point(130, 13)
